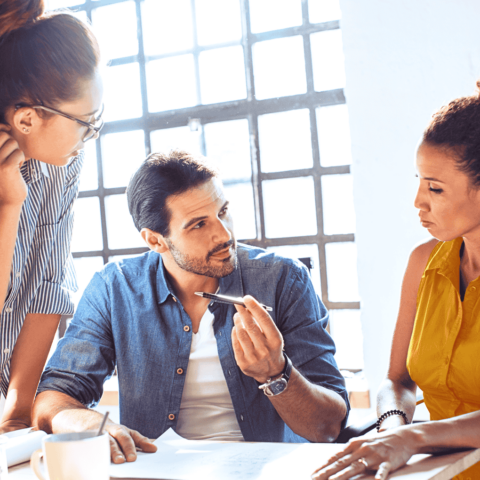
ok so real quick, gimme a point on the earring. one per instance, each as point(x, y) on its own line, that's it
point(26, 130)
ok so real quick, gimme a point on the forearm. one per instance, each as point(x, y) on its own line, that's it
point(26, 366)
point(311, 411)
point(396, 395)
point(9, 219)
point(55, 412)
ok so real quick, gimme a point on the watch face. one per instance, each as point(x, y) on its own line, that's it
point(278, 386)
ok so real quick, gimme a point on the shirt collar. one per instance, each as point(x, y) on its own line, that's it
point(447, 260)
point(230, 285)
point(32, 169)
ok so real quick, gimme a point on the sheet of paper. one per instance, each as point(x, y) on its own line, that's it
point(181, 459)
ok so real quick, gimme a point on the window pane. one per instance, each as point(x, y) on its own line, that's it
point(116, 29)
point(120, 228)
point(285, 141)
point(118, 81)
point(338, 209)
point(85, 268)
point(228, 145)
point(167, 26)
point(180, 138)
point(289, 207)
point(328, 60)
point(242, 209)
point(222, 75)
point(300, 251)
point(334, 135)
point(346, 330)
point(122, 154)
point(324, 10)
point(342, 272)
point(171, 83)
point(266, 15)
point(87, 228)
point(210, 29)
point(279, 68)
point(89, 175)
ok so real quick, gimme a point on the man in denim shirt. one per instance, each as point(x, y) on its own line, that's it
point(186, 363)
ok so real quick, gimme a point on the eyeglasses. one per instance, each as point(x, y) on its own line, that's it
point(92, 128)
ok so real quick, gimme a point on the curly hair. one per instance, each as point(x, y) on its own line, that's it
point(456, 127)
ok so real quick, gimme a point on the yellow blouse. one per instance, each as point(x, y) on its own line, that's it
point(444, 353)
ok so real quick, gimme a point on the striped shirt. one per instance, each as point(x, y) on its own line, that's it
point(42, 274)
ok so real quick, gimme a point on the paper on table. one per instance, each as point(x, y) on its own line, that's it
point(181, 459)
point(21, 444)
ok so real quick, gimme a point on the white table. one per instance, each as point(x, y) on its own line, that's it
point(420, 467)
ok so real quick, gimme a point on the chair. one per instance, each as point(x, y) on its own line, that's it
point(361, 428)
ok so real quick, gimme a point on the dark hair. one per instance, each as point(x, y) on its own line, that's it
point(456, 127)
point(160, 176)
point(44, 58)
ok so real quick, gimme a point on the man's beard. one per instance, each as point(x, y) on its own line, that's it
point(203, 267)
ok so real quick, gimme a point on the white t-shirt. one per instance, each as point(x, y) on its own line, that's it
point(206, 410)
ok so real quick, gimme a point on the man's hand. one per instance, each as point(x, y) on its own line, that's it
point(257, 342)
point(123, 443)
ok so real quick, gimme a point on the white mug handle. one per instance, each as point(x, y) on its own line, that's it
point(35, 461)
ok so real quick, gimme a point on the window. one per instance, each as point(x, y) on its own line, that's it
point(256, 85)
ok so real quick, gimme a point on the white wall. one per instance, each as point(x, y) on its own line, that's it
point(404, 59)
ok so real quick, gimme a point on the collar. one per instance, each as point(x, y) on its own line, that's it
point(446, 260)
point(230, 285)
point(32, 170)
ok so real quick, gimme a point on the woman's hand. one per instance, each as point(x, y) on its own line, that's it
point(13, 189)
point(12, 425)
point(384, 453)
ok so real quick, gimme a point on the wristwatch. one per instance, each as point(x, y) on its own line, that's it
point(276, 387)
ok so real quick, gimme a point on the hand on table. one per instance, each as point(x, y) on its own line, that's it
point(257, 342)
point(123, 443)
point(384, 453)
point(13, 189)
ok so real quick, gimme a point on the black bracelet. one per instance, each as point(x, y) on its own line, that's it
point(382, 417)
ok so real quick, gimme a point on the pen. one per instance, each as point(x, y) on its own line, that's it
point(226, 299)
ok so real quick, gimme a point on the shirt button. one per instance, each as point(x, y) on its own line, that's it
point(174, 299)
point(171, 416)
point(6, 350)
point(179, 371)
point(18, 274)
point(9, 310)
point(474, 288)
point(186, 328)
point(241, 418)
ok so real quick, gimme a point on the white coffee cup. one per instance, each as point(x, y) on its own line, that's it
point(74, 456)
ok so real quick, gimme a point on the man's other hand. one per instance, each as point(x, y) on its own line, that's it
point(257, 342)
point(125, 441)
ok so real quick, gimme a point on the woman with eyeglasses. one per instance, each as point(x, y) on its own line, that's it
point(50, 105)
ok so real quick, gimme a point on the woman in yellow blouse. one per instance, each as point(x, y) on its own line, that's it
point(436, 344)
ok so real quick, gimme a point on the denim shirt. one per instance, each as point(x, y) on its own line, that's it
point(130, 317)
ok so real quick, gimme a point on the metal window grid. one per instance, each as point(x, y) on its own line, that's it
point(248, 108)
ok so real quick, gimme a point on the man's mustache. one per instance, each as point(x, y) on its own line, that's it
point(219, 248)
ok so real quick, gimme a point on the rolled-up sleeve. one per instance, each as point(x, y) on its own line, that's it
point(85, 356)
point(303, 320)
point(53, 295)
